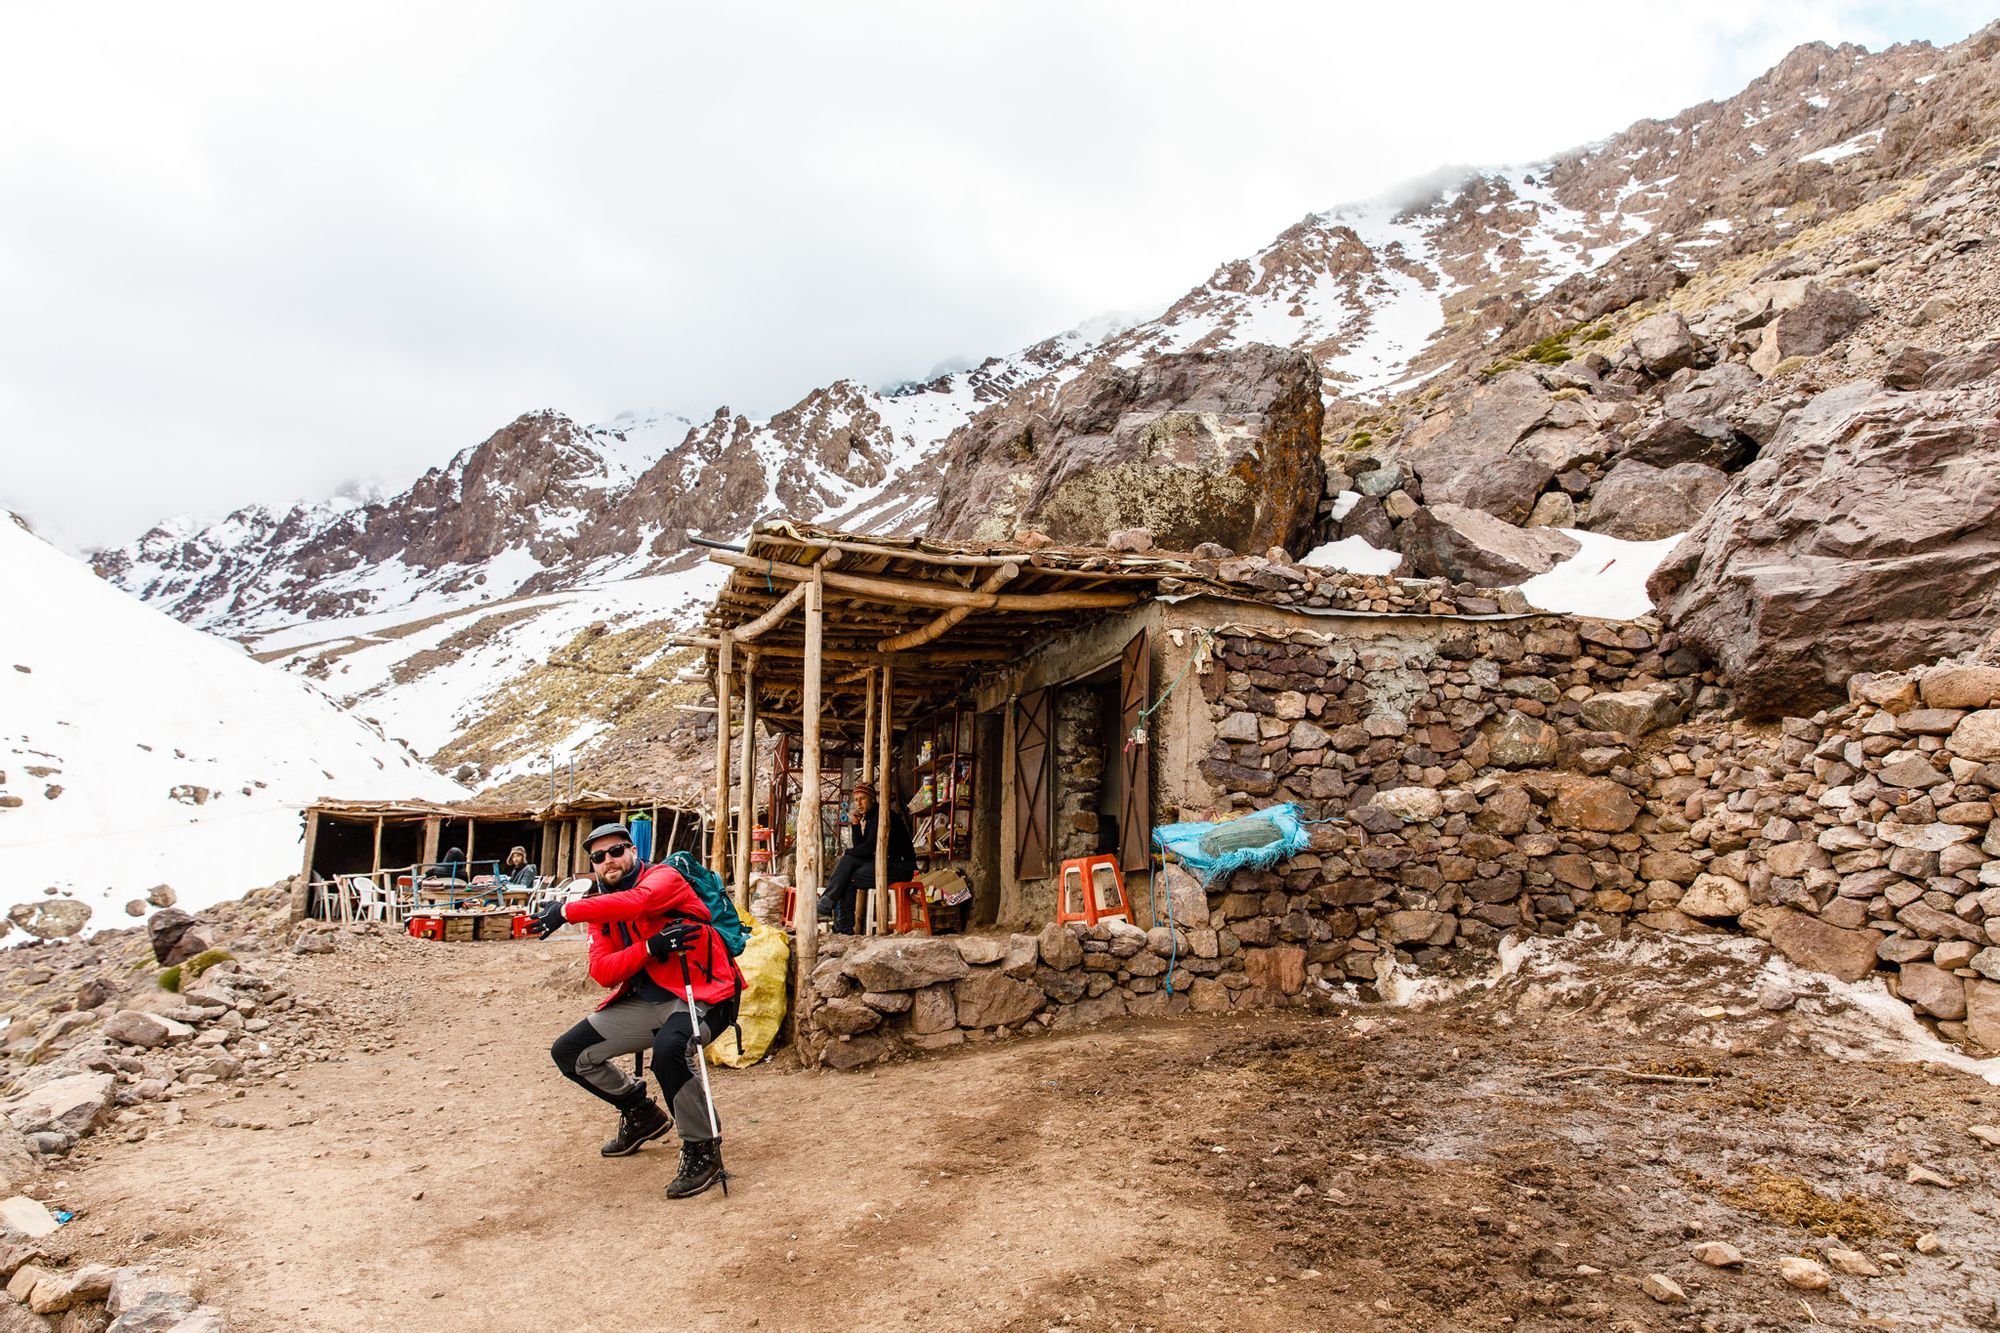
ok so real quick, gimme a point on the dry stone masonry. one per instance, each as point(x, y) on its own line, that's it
point(1484, 778)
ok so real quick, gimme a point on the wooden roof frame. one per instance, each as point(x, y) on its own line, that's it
point(939, 612)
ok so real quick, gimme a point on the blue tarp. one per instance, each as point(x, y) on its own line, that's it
point(1211, 851)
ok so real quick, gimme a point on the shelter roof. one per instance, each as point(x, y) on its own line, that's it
point(942, 612)
point(582, 803)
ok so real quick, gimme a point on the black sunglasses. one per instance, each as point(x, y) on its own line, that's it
point(604, 852)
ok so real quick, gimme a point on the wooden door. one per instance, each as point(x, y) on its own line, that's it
point(1034, 783)
point(1135, 806)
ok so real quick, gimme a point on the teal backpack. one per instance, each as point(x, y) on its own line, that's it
point(722, 912)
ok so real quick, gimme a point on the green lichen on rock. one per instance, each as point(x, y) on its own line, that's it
point(201, 962)
point(170, 980)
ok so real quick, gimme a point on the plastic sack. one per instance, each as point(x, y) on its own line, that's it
point(1214, 850)
point(767, 963)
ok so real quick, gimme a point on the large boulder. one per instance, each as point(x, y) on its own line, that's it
point(50, 918)
point(1866, 537)
point(1496, 447)
point(1642, 503)
point(901, 962)
point(1823, 316)
point(1196, 447)
point(1664, 344)
point(1472, 546)
point(991, 999)
point(69, 1105)
point(1811, 943)
point(165, 930)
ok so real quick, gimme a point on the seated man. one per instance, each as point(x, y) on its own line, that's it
point(673, 986)
point(855, 872)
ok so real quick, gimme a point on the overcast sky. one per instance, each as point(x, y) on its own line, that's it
point(255, 253)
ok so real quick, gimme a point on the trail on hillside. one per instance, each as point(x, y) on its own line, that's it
point(1451, 1166)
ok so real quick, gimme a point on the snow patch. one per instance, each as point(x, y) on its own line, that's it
point(1607, 577)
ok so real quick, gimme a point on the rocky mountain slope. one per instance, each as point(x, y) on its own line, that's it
point(139, 753)
point(1481, 342)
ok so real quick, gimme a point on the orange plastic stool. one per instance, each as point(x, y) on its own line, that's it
point(1092, 907)
point(909, 909)
point(791, 903)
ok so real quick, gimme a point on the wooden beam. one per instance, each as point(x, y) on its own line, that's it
point(725, 684)
point(911, 593)
point(924, 634)
point(712, 643)
point(901, 553)
point(806, 869)
point(884, 796)
point(746, 807)
point(312, 842)
point(868, 728)
point(375, 868)
point(784, 607)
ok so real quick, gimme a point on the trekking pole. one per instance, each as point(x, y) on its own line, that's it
point(701, 1067)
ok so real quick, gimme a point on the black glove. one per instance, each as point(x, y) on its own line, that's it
point(549, 920)
point(670, 939)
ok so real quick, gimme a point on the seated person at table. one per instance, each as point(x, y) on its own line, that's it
point(454, 863)
point(856, 869)
point(519, 871)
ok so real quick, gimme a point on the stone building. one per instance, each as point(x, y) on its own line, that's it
point(1471, 767)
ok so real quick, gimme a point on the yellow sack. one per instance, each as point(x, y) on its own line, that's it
point(767, 963)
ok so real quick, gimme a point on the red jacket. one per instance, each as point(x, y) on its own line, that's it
point(622, 922)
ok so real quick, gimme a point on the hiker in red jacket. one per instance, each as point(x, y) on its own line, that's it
point(670, 977)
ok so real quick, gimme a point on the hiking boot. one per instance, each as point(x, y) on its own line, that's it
point(701, 1166)
point(636, 1125)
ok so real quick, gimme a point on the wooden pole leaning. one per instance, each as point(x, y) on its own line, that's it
point(868, 732)
point(746, 810)
point(878, 912)
point(806, 865)
point(725, 684)
point(944, 620)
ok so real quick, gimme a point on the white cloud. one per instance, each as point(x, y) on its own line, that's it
point(250, 252)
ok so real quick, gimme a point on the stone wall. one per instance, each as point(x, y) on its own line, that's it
point(1473, 779)
point(1079, 770)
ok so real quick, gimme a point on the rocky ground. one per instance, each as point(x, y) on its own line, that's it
point(1555, 1146)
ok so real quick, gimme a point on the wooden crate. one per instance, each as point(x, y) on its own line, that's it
point(499, 926)
point(460, 929)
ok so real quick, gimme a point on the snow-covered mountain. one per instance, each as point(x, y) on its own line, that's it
point(410, 606)
point(135, 751)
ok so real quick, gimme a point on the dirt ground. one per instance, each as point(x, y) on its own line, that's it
point(1459, 1164)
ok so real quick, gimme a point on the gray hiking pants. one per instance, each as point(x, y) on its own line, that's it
point(586, 1055)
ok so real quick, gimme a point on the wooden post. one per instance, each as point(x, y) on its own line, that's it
point(375, 869)
point(746, 815)
point(805, 910)
point(433, 831)
point(725, 682)
point(471, 828)
point(564, 852)
point(885, 772)
point(312, 841)
point(868, 733)
point(667, 848)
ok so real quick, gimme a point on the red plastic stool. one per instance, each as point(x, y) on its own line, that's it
point(522, 924)
point(1093, 908)
point(427, 927)
point(909, 908)
point(791, 904)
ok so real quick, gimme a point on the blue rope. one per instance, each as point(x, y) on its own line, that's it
point(1173, 927)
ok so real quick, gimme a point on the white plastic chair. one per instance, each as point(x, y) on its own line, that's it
point(373, 903)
